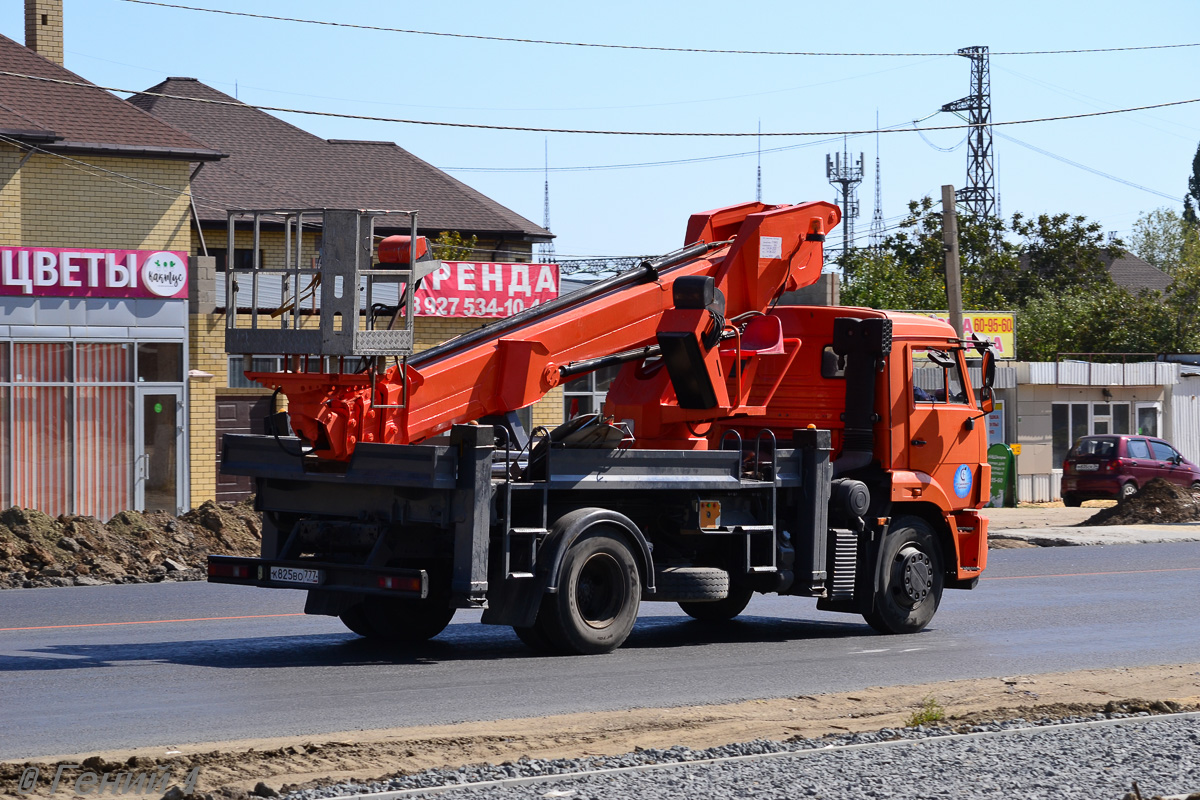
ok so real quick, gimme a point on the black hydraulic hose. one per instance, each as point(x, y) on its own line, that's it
point(646, 272)
point(593, 364)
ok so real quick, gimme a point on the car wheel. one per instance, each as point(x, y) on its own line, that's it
point(1195, 487)
point(1128, 490)
point(1072, 500)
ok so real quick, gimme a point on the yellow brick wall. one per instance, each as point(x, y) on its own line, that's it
point(53, 202)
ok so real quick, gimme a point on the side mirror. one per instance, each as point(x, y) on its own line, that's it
point(988, 370)
point(987, 400)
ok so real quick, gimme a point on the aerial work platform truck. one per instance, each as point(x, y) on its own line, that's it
point(744, 446)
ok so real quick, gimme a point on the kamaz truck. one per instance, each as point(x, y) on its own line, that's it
point(744, 446)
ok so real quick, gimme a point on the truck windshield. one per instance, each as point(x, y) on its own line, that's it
point(937, 377)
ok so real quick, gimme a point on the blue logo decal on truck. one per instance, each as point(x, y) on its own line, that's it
point(962, 481)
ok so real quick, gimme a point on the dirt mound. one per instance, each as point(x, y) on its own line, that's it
point(1157, 502)
point(132, 547)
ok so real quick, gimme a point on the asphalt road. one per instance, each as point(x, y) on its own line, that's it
point(202, 662)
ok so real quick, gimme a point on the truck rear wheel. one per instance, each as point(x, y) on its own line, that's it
point(910, 588)
point(597, 600)
point(398, 621)
point(734, 603)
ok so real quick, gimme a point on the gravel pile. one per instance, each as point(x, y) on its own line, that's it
point(37, 550)
point(1162, 755)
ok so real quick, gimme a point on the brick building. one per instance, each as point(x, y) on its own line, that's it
point(115, 396)
point(94, 385)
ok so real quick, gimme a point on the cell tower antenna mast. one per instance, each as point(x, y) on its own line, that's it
point(846, 176)
point(758, 190)
point(877, 217)
point(979, 193)
point(546, 249)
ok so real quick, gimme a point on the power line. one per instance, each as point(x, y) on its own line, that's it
point(654, 48)
point(480, 126)
point(1086, 168)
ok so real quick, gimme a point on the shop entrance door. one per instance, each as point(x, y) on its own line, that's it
point(158, 474)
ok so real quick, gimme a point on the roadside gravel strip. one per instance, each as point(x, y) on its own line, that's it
point(1078, 757)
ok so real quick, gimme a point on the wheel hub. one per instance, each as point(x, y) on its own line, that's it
point(597, 593)
point(915, 575)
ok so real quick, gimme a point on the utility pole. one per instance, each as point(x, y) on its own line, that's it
point(950, 245)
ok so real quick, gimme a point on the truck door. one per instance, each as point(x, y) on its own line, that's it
point(940, 443)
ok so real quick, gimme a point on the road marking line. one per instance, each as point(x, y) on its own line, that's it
point(1088, 574)
point(147, 622)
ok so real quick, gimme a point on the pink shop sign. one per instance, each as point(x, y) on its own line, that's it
point(89, 272)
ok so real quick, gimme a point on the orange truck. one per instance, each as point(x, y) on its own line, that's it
point(744, 446)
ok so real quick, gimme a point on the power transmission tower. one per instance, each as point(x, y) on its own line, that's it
point(546, 249)
point(877, 218)
point(758, 191)
point(979, 193)
point(846, 176)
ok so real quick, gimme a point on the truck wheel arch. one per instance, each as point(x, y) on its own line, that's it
point(570, 526)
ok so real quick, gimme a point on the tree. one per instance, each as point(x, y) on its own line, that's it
point(1101, 319)
point(1192, 198)
point(1158, 237)
point(909, 270)
point(1061, 251)
point(452, 246)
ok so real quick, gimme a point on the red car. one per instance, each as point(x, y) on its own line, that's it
point(1114, 467)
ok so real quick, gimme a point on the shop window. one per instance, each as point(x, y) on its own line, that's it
point(585, 394)
point(41, 362)
point(104, 363)
point(159, 362)
point(103, 450)
point(1071, 421)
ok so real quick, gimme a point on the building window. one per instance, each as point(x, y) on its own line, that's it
point(585, 394)
point(237, 370)
point(1071, 421)
point(243, 257)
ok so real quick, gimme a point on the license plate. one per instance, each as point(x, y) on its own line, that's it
point(293, 575)
point(1086, 467)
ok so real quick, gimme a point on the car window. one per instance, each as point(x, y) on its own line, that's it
point(1138, 448)
point(1162, 451)
point(1104, 448)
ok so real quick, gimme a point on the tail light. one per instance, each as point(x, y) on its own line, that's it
point(1068, 468)
point(230, 570)
point(400, 584)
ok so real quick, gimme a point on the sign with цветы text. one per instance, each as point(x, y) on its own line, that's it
point(475, 289)
point(92, 272)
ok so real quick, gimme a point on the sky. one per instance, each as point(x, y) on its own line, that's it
point(600, 206)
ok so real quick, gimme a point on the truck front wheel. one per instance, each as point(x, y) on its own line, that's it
point(910, 587)
point(596, 604)
point(397, 621)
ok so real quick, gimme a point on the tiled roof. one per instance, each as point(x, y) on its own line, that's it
point(273, 164)
point(1135, 273)
point(60, 117)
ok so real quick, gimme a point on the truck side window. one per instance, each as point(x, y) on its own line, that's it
point(937, 377)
